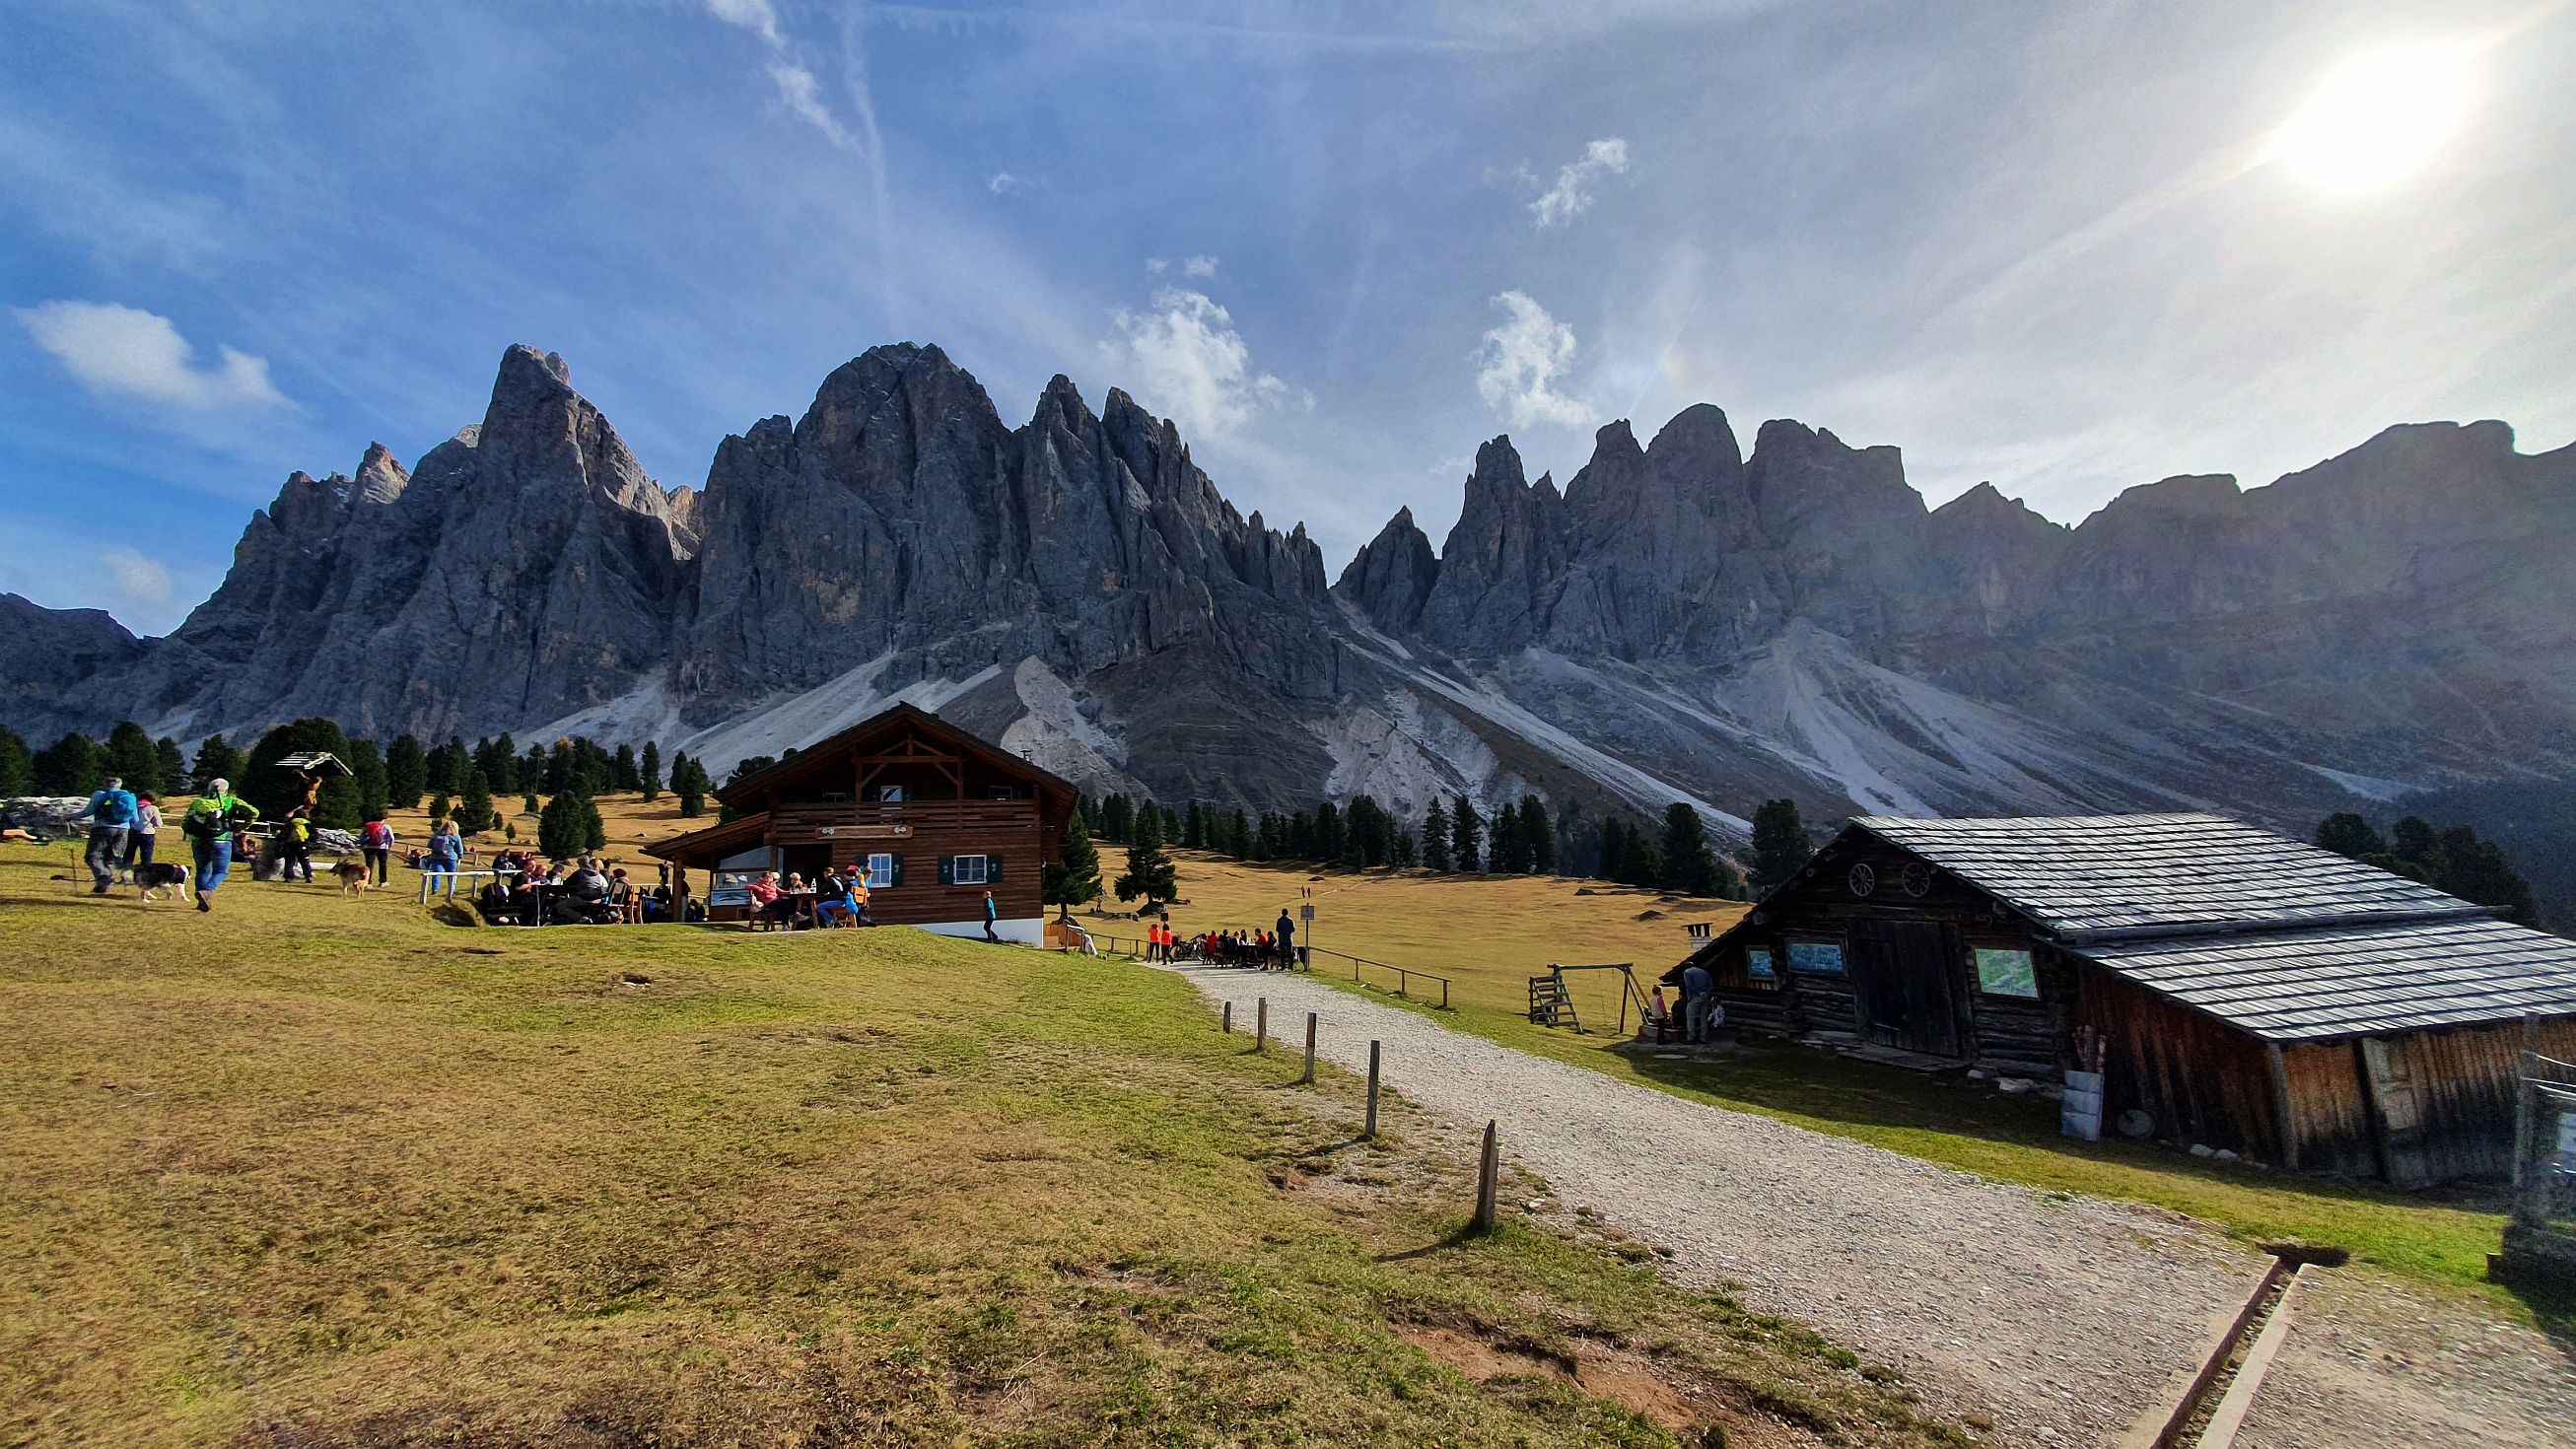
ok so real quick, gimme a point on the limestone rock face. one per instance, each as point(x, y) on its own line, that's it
point(46, 654)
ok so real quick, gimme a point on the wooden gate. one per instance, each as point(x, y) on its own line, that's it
point(2396, 1114)
point(1901, 971)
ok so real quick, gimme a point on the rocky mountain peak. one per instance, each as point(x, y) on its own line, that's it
point(381, 476)
point(1700, 438)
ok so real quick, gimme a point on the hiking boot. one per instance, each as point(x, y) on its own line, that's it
point(98, 890)
point(204, 904)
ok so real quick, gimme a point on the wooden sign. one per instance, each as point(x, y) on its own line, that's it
point(897, 830)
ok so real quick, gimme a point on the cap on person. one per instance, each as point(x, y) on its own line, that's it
point(218, 787)
point(113, 782)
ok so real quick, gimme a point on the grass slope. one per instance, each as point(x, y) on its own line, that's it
point(1491, 933)
point(321, 1171)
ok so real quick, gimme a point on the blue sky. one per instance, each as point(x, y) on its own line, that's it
point(2048, 245)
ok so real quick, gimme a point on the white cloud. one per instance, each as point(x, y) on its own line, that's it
point(133, 354)
point(1156, 266)
point(1184, 358)
point(1199, 267)
point(1571, 196)
point(1519, 362)
point(755, 16)
point(141, 580)
point(1003, 181)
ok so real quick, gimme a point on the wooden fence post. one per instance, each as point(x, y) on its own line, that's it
point(1229, 1018)
point(1370, 1131)
point(1261, 1026)
point(1487, 1171)
point(1309, 1078)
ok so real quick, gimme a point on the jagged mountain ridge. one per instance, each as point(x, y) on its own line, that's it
point(1681, 620)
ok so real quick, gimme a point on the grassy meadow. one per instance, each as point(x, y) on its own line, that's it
point(1490, 934)
point(317, 1170)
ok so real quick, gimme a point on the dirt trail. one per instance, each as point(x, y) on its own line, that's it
point(2058, 1317)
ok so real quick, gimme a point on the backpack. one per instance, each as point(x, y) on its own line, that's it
point(378, 835)
point(115, 807)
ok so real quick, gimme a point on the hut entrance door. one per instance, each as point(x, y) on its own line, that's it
point(1902, 976)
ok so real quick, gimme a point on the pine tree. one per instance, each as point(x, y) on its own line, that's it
point(170, 766)
point(1374, 829)
point(1613, 850)
point(1115, 812)
point(2481, 872)
point(1506, 848)
point(1399, 850)
point(1538, 836)
point(1073, 879)
point(560, 828)
point(2348, 834)
point(275, 791)
point(528, 805)
point(406, 770)
point(594, 831)
point(444, 769)
point(17, 766)
point(1466, 834)
point(688, 782)
point(1327, 844)
point(130, 757)
point(651, 765)
point(1435, 838)
point(1640, 863)
point(1149, 870)
point(474, 807)
point(368, 763)
point(1780, 845)
point(1691, 868)
point(440, 808)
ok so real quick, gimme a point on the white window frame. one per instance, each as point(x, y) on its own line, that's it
point(880, 870)
point(957, 870)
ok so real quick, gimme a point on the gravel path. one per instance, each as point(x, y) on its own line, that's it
point(2058, 1318)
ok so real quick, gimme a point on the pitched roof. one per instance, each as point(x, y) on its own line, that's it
point(1057, 792)
point(2356, 979)
point(2102, 877)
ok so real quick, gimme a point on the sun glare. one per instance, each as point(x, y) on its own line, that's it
point(2377, 118)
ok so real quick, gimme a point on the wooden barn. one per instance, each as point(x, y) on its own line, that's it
point(2248, 992)
point(932, 815)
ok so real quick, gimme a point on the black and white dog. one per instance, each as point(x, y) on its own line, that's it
point(162, 875)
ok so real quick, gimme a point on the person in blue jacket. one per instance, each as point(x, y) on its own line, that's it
point(110, 815)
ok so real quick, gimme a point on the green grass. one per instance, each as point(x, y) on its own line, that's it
point(323, 1171)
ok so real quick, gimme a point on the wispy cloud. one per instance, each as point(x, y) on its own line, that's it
point(1003, 183)
point(144, 582)
point(1201, 266)
point(1571, 196)
point(1184, 358)
point(1520, 361)
point(137, 356)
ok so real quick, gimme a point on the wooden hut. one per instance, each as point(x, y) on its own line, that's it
point(2249, 992)
point(932, 817)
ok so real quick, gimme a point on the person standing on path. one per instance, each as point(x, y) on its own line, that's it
point(110, 815)
point(1286, 930)
point(992, 913)
point(209, 826)
point(376, 841)
point(1697, 997)
point(145, 834)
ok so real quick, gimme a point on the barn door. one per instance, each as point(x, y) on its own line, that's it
point(2396, 1113)
point(1902, 975)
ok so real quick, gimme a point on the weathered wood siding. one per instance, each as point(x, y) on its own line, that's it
point(2328, 1110)
point(2202, 1081)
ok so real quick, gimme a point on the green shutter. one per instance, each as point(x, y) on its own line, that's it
point(948, 870)
point(992, 869)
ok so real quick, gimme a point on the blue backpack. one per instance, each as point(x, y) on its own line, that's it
point(112, 807)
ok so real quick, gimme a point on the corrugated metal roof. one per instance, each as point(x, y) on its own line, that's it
point(2092, 876)
point(2348, 980)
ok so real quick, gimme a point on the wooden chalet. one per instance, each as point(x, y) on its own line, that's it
point(931, 815)
point(2249, 992)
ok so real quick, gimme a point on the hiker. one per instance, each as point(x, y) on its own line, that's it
point(1659, 1017)
point(110, 815)
point(859, 899)
point(992, 913)
point(210, 826)
point(1697, 997)
point(834, 900)
point(295, 845)
point(1287, 936)
point(146, 832)
point(376, 841)
point(446, 847)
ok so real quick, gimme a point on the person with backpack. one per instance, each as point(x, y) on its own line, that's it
point(209, 826)
point(110, 815)
point(295, 845)
point(376, 841)
point(446, 847)
point(1287, 932)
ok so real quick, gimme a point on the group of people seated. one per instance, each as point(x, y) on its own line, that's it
point(840, 898)
point(525, 892)
point(1265, 949)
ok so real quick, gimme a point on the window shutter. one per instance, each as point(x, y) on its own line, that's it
point(948, 870)
point(896, 878)
point(992, 870)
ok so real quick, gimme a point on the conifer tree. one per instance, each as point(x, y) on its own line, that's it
point(1538, 836)
point(17, 766)
point(1613, 851)
point(367, 763)
point(1691, 867)
point(1435, 838)
point(689, 782)
point(131, 758)
point(652, 768)
point(560, 828)
point(1149, 870)
point(2348, 834)
point(441, 808)
point(1466, 834)
point(1780, 845)
point(1073, 879)
point(474, 804)
point(406, 770)
point(1506, 849)
point(629, 775)
point(594, 831)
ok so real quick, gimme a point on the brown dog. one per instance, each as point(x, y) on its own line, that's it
point(353, 877)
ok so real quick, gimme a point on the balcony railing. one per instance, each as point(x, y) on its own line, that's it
point(804, 821)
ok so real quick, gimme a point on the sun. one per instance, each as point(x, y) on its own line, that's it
point(2376, 119)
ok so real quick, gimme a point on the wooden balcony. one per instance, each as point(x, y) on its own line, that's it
point(805, 823)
